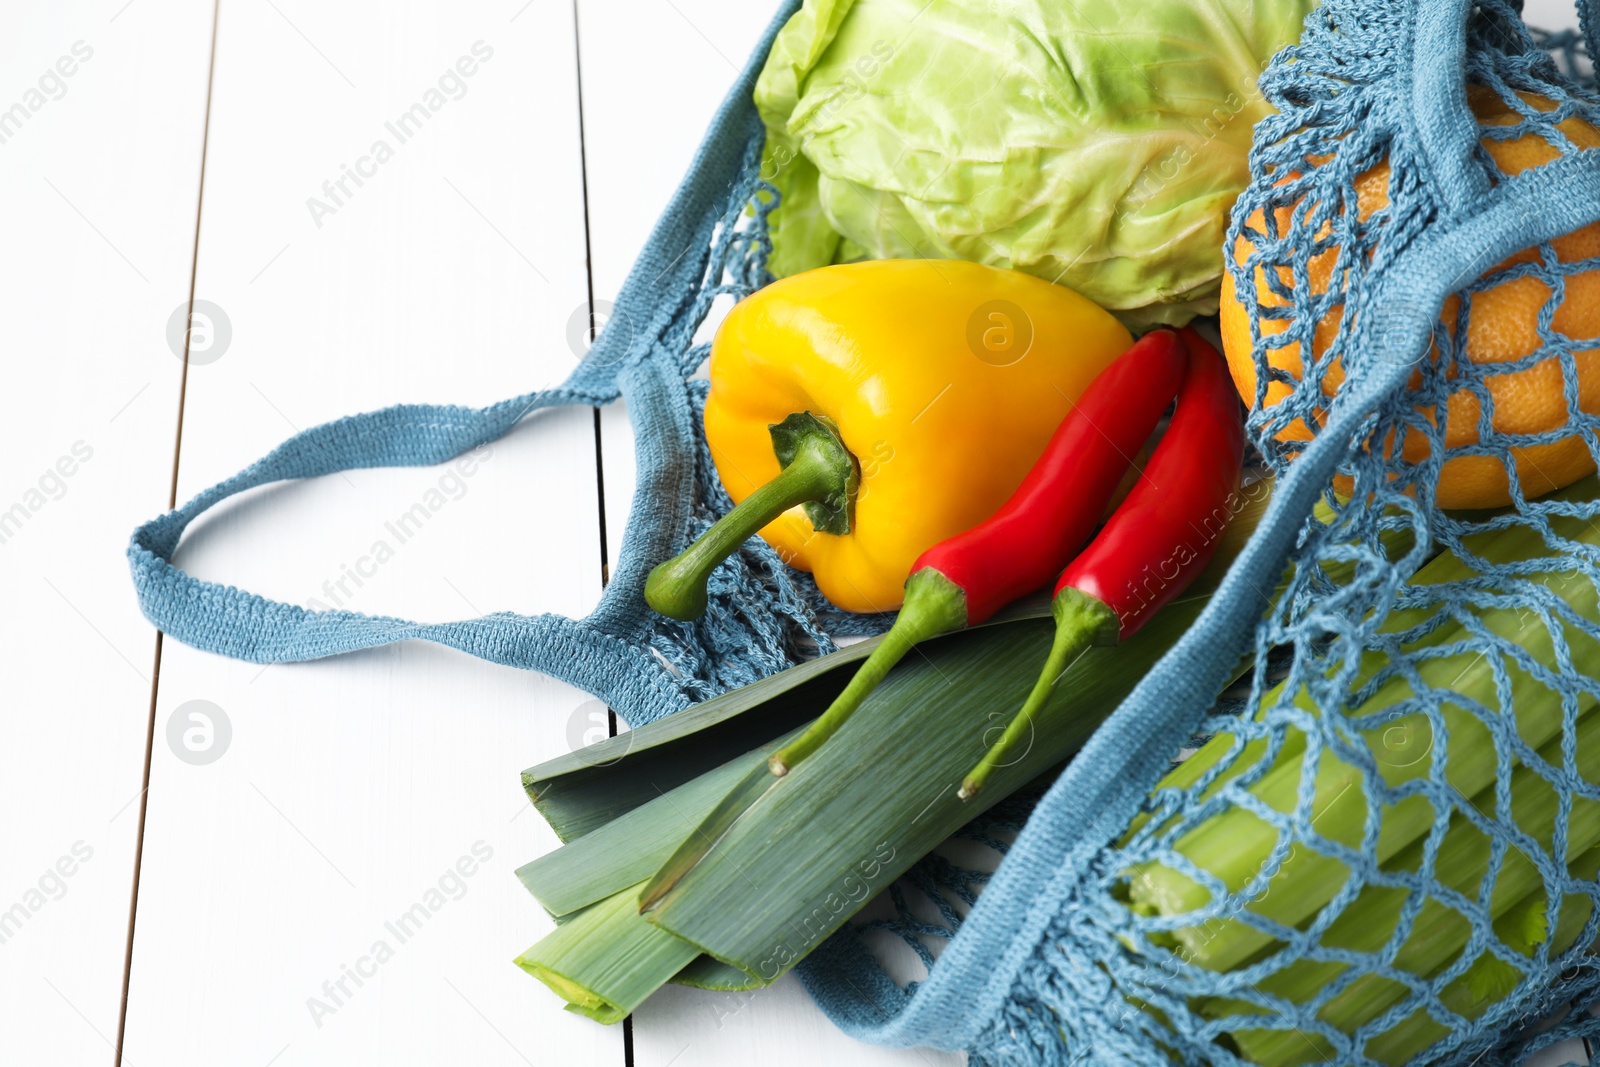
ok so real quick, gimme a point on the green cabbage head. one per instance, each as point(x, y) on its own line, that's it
point(1095, 143)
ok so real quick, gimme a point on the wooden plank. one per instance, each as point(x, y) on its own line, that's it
point(337, 887)
point(780, 1026)
point(637, 145)
point(101, 120)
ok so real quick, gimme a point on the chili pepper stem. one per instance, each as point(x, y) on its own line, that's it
point(818, 471)
point(934, 605)
point(1081, 620)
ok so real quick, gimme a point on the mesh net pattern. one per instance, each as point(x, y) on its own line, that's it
point(1393, 858)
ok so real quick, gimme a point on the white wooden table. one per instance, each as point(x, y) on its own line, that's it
point(173, 911)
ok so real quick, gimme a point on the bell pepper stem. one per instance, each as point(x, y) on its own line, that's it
point(1081, 620)
point(818, 471)
point(934, 605)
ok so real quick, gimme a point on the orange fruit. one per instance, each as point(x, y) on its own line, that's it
point(1502, 326)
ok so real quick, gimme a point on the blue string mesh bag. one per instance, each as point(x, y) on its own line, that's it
point(1108, 935)
point(1391, 858)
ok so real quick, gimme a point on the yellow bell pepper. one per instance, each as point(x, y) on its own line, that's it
point(861, 413)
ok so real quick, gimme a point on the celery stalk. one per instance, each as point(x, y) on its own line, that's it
point(1439, 933)
point(1236, 845)
point(1490, 979)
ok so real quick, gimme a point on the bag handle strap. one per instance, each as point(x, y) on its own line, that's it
point(233, 622)
point(633, 364)
point(1446, 127)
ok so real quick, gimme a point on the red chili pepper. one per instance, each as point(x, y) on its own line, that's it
point(1154, 545)
point(964, 580)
